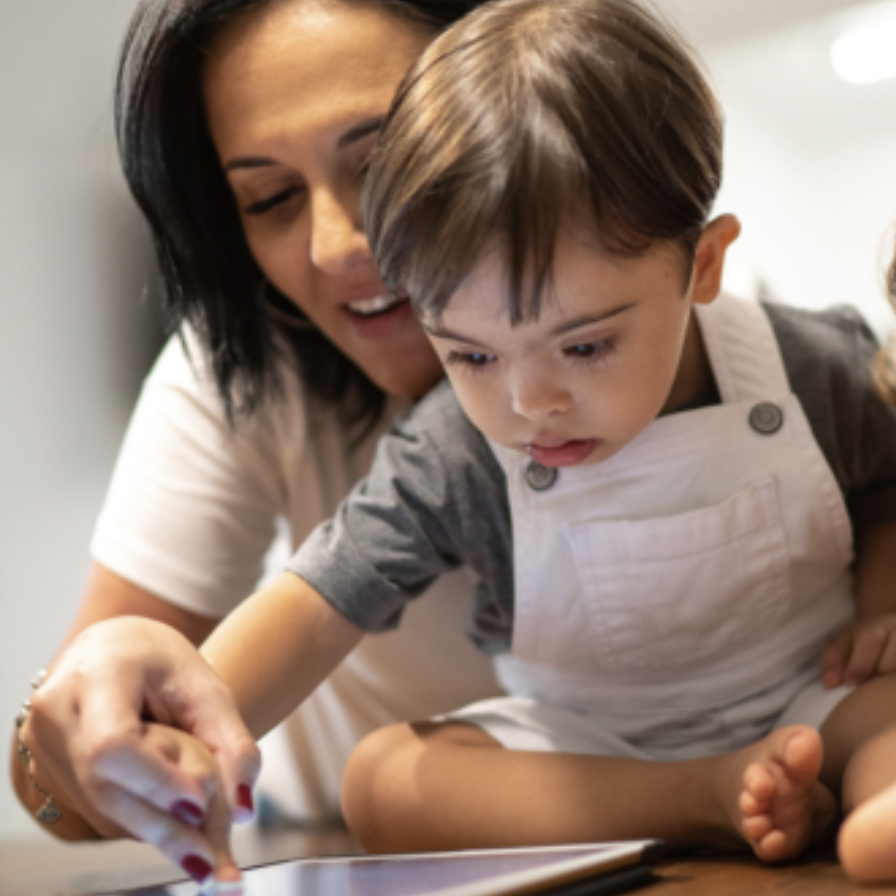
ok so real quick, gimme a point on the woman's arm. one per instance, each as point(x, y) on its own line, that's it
point(272, 652)
point(187, 520)
point(90, 770)
point(107, 596)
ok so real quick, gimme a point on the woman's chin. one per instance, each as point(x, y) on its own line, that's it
point(392, 349)
point(409, 373)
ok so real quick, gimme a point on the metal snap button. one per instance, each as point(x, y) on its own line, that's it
point(766, 418)
point(540, 477)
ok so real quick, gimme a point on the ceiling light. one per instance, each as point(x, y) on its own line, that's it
point(866, 54)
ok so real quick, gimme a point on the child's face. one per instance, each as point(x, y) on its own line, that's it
point(603, 359)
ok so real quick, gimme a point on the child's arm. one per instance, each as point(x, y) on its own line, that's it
point(867, 647)
point(276, 647)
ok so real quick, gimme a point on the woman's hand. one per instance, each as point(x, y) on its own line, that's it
point(860, 651)
point(93, 749)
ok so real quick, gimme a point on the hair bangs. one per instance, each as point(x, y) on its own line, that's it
point(532, 120)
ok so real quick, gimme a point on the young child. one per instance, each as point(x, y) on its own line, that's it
point(682, 477)
point(659, 490)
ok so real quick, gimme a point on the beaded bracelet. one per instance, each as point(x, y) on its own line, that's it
point(49, 813)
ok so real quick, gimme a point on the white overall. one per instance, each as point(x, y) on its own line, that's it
point(672, 601)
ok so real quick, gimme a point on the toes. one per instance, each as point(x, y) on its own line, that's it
point(776, 803)
point(773, 847)
point(759, 786)
point(802, 756)
point(755, 829)
point(749, 806)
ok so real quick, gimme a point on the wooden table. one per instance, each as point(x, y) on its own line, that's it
point(44, 867)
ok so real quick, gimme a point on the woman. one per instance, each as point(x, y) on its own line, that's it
point(244, 126)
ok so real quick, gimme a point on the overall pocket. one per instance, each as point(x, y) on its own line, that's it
point(677, 592)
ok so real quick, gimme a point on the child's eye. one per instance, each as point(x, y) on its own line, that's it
point(589, 352)
point(473, 361)
point(265, 205)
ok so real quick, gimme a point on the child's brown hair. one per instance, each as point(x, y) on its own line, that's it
point(531, 118)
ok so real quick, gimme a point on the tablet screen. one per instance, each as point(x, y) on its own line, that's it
point(497, 872)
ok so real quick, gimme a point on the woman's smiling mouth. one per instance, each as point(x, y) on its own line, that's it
point(379, 317)
point(381, 304)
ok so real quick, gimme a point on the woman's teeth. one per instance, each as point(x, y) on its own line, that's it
point(376, 305)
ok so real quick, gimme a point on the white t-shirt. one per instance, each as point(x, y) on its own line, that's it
point(191, 513)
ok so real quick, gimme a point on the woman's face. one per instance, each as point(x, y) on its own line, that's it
point(294, 96)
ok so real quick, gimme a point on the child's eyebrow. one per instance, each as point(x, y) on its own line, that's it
point(444, 333)
point(566, 327)
point(585, 319)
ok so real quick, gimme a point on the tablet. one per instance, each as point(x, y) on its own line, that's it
point(590, 868)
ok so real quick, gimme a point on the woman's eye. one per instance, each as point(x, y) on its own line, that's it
point(590, 351)
point(471, 360)
point(265, 205)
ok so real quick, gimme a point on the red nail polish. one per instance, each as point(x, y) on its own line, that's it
point(244, 798)
point(196, 867)
point(187, 813)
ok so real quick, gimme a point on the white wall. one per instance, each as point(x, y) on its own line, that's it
point(809, 171)
point(72, 262)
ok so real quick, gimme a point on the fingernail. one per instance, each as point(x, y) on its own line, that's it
point(196, 867)
point(188, 813)
point(244, 797)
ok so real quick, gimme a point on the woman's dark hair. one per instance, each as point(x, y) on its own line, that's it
point(210, 279)
point(532, 118)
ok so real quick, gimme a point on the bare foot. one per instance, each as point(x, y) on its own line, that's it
point(783, 807)
point(867, 839)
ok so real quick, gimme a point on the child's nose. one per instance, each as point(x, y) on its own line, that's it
point(536, 396)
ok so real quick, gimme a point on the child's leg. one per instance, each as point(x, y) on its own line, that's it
point(860, 762)
point(452, 786)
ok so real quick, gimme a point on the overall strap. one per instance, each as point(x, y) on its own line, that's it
point(743, 350)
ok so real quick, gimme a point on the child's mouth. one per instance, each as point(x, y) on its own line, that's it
point(567, 454)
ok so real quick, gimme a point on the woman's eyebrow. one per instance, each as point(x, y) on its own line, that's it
point(360, 131)
point(352, 135)
point(249, 162)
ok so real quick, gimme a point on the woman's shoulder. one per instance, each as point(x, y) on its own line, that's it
point(182, 382)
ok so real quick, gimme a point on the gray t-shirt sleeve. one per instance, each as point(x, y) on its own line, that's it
point(829, 357)
point(435, 499)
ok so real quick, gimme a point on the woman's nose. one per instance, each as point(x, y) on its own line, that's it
point(536, 395)
point(338, 242)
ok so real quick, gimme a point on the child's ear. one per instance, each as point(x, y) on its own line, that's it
point(709, 259)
